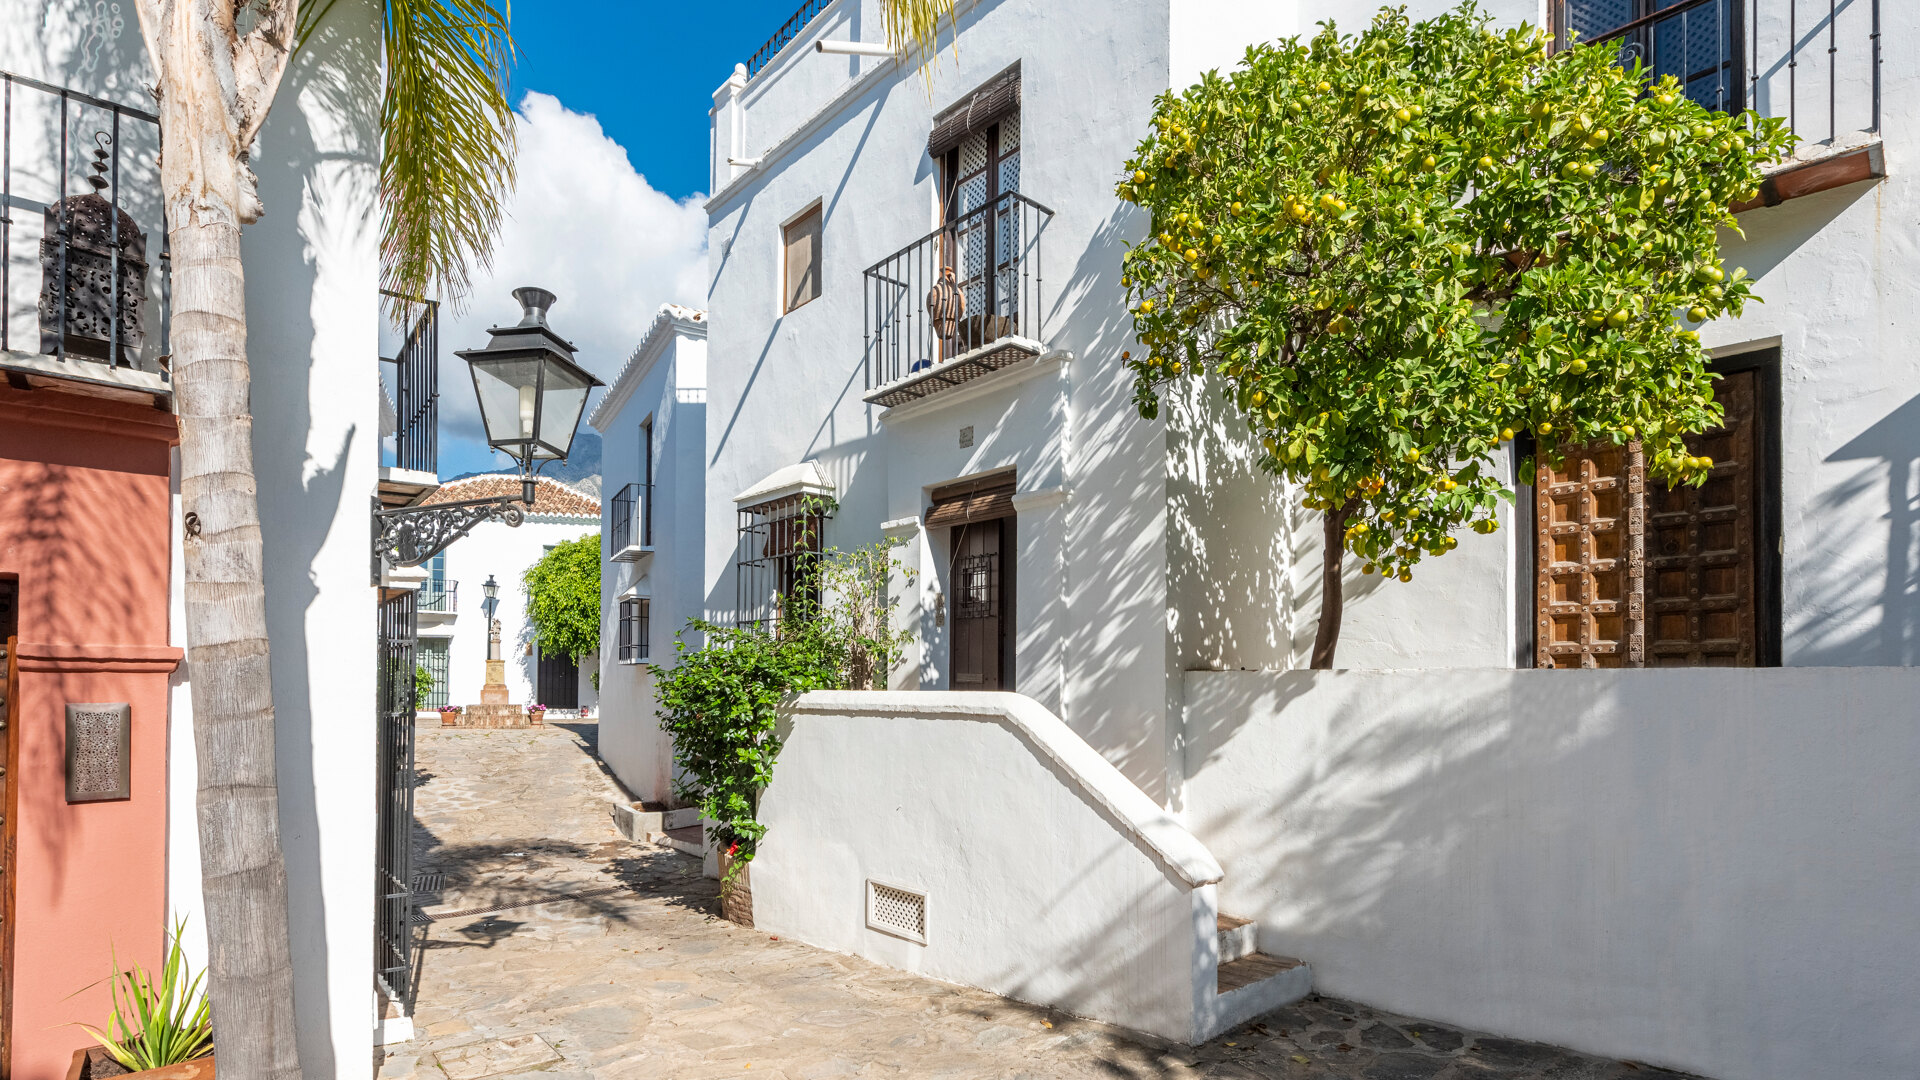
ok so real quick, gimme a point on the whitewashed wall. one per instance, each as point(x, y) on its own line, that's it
point(506, 553)
point(1047, 876)
point(313, 319)
point(665, 381)
point(1709, 870)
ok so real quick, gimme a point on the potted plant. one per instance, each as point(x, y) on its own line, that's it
point(736, 888)
point(536, 714)
point(449, 715)
point(159, 1029)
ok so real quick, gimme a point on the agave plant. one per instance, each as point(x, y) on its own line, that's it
point(157, 1022)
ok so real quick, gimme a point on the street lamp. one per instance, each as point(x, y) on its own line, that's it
point(491, 590)
point(531, 396)
point(531, 392)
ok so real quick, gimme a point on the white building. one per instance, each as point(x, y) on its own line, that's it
point(653, 423)
point(1630, 863)
point(451, 600)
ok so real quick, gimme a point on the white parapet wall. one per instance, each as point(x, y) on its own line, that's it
point(1714, 870)
point(1047, 876)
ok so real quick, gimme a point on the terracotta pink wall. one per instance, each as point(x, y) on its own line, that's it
point(84, 524)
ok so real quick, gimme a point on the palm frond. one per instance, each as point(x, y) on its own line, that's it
point(447, 165)
point(913, 29)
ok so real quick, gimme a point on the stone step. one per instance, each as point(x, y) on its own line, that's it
point(1253, 985)
point(688, 840)
point(1236, 938)
point(489, 716)
point(641, 825)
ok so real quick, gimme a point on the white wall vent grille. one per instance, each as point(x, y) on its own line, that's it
point(897, 911)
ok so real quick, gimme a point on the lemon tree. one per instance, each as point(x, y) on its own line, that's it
point(1394, 251)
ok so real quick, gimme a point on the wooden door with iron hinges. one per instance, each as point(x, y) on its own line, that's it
point(1702, 603)
point(1589, 522)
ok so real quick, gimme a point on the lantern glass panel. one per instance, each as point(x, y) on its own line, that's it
point(508, 389)
point(565, 395)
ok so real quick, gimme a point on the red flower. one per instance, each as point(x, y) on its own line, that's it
point(733, 849)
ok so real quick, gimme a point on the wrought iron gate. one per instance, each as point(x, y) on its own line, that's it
point(393, 877)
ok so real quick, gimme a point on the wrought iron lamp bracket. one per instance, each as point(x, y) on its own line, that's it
point(410, 535)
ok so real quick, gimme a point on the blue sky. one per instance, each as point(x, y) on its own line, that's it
point(647, 71)
point(613, 164)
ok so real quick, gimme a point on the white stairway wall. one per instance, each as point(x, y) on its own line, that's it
point(1047, 876)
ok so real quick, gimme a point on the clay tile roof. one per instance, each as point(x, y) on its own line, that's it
point(549, 496)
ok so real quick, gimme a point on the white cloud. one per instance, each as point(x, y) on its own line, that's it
point(583, 223)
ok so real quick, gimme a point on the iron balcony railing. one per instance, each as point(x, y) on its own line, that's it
point(971, 283)
point(416, 383)
point(86, 171)
point(1815, 63)
point(631, 518)
point(440, 596)
point(788, 31)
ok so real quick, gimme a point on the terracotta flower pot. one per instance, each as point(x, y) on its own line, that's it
point(536, 716)
point(736, 892)
point(94, 1063)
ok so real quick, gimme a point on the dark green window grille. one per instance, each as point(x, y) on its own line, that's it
point(431, 653)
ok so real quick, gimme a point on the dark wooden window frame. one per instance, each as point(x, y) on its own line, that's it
point(1765, 361)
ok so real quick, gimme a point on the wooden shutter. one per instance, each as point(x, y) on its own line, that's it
point(985, 499)
point(1588, 547)
point(803, 259)
point(995, 98)
point(1701, 560)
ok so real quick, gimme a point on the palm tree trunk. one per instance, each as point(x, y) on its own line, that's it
point(214, 90)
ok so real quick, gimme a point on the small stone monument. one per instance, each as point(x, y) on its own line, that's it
point(494, 710)
point(495, 692)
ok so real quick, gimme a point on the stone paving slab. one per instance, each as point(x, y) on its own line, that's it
point(637, 976)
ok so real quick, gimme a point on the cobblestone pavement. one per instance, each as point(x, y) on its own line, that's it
point(633, 974)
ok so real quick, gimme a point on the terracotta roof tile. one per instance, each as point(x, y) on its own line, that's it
point(549, 496)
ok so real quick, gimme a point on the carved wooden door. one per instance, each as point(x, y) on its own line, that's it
point(1587, 513)
point(1702, 606)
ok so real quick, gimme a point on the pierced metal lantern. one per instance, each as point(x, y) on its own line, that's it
point(531, 392)
point(946, 305)
point(82, 235)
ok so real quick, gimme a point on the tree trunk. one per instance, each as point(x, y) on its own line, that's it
point(214, 90)
point(1332, 555)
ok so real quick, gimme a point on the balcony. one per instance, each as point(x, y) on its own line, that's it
point(86, 170)
point(438, 597)
point(957, 304)
point(630, 523)
point(1814, 63)
point(410, 402)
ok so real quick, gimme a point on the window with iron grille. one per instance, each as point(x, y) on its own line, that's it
point(780, 542)
point(431, 653)
point(636, 622)
point(1697, 42)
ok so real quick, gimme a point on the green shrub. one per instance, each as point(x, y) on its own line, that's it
point(721, 701)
